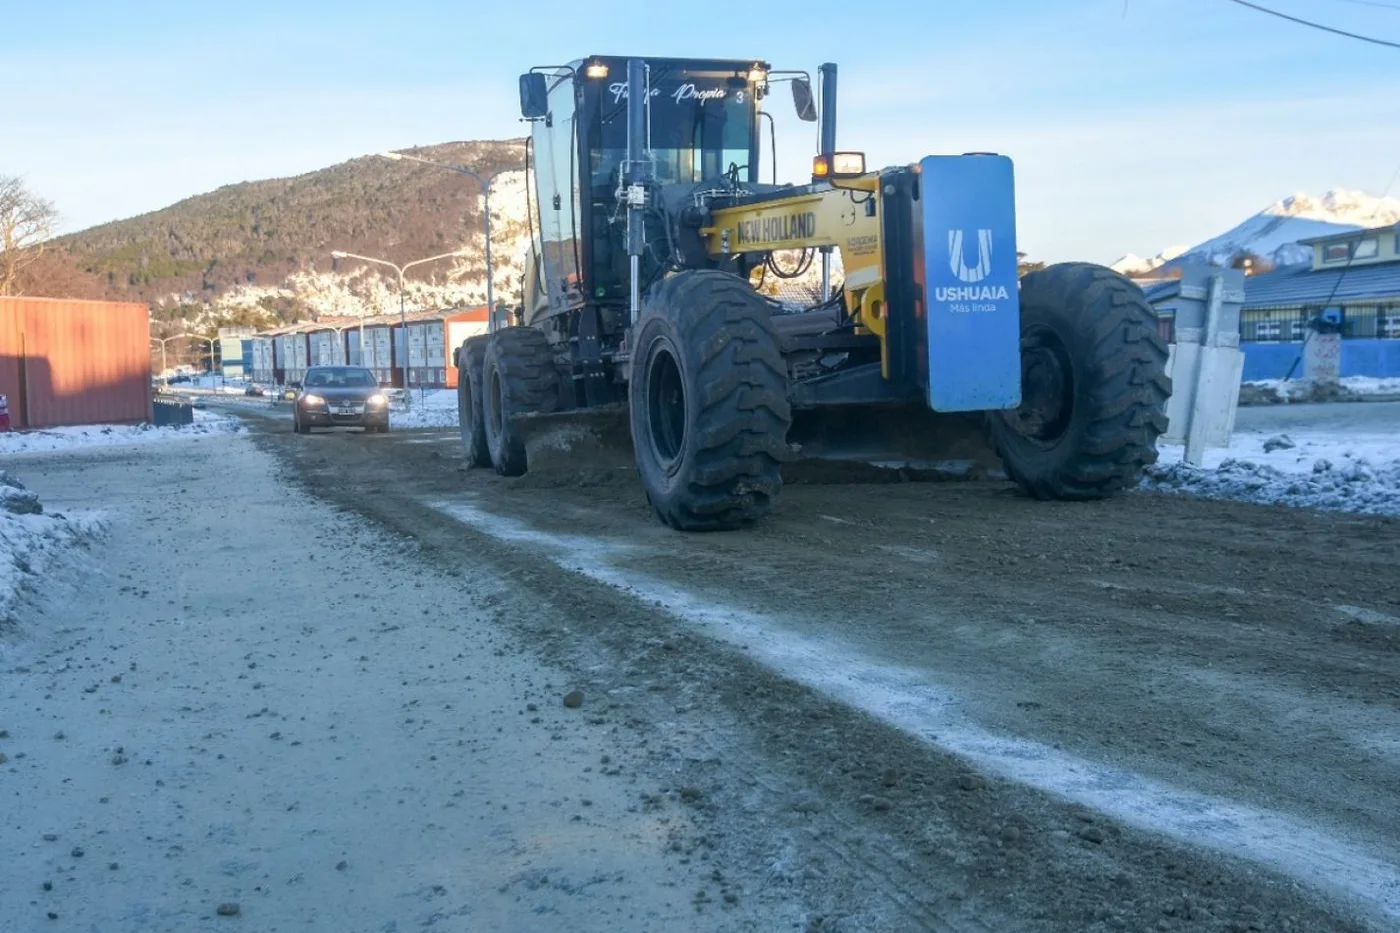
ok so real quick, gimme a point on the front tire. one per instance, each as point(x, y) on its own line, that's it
point(708, 402)
point(1094, 385)
point(471, 419)
point(518, 377)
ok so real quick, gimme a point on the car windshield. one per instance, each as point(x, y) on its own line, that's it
point(340, 379)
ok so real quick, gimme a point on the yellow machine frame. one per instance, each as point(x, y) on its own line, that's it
point(844, 216)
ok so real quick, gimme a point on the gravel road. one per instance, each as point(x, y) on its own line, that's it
point(892, 707)
point(248, 700)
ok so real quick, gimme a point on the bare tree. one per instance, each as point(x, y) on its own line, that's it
point(26, 223)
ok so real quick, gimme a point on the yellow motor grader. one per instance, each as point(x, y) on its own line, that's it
point(642, 325)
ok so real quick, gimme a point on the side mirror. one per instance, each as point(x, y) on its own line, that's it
point(802, 99)
point(534, 96)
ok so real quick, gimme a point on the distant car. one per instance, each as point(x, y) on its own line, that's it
point(340, 396)
point(253, 390)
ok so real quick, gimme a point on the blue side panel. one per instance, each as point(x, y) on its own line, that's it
point(1370, 356)
point(1271, 360)
point(971, 283)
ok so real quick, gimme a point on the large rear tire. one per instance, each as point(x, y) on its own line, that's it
point(708, 402)
point(471, 419)
point(1094, 385)
point(518, 377)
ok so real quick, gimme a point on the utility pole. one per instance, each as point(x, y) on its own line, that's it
point(485, 184)
point(403, 317)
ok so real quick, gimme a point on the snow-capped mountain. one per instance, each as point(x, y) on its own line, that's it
point(1273, 233)
point(1133, 263)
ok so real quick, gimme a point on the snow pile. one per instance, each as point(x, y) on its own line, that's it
point(46, 440)
point(435, 408)
point(1275, 391)
point(31, 538)
point(1370, 385)
point(1360, 473)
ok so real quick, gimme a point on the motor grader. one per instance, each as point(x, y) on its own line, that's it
point(642, 324)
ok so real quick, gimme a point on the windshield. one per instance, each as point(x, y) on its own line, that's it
point(340, 379)
point(700, 127)
point(701, 124)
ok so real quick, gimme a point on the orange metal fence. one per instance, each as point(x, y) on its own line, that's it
point(74, 362)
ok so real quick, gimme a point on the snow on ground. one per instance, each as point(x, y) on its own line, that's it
point(1317, 466)
point(435, 408)
point(1295, 390)
point(30, 539)
point(42, 440)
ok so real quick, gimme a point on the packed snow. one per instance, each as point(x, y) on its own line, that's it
point(1320, 468)
point(44, 440)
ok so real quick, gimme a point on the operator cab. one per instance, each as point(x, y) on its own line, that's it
point(702, 129)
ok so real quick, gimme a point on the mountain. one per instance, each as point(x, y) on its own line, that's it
point(1273, 233)
point(1133, 263)
point(260, 252)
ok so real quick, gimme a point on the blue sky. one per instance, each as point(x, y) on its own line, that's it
point(1130, 132)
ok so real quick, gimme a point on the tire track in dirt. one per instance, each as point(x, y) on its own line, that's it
point(909, 701)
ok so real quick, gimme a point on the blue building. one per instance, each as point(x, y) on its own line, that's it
point(1356, 275)
point(235, 352)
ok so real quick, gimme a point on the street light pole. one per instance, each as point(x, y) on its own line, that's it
point(403, 318)
point(208, 340)
point(485, 184)
point(161, 341)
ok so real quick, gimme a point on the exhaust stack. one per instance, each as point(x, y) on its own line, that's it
point(827, 74)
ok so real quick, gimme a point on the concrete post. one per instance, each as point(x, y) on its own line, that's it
point(1322, 358)
point(1205, 363)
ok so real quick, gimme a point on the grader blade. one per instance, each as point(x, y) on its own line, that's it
point(589, 439)
point(912, 443)
point(829, 446)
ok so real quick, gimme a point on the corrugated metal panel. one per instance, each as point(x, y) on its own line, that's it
point(325, 350)
point(1292, 285)
point(75, 362)
point(417, 346)
point(262, 365)
point(456, 329)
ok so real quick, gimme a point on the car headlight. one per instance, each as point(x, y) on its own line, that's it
point(376, 400)
point(312, 400)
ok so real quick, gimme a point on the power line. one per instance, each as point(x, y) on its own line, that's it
point(1373, 3)
point(1341, 274)
point(1304, 22)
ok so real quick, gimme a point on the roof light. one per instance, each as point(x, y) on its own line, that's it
point(838, 165)
point(847, 163)
point(758, 75)
point(596, 70)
